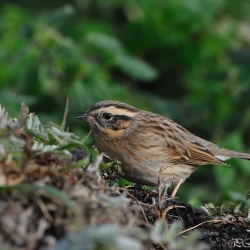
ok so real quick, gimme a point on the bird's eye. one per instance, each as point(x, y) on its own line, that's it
point(107, 116)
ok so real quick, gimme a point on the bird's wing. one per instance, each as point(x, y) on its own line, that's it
point(192, 153)
point(181, 146)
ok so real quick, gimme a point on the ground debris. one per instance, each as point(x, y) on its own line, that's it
point(48, 199)
point(220, 231)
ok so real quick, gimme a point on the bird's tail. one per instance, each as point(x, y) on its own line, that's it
point(225, 154)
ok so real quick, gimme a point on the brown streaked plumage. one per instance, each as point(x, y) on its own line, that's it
point(149, 145)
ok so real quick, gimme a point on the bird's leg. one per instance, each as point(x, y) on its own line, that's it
point(176, 188)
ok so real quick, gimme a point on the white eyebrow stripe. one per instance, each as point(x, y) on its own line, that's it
point(117, 111)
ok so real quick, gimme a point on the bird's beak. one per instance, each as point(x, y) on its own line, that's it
point(83, 117)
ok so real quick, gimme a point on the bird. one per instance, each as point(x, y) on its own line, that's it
point(150, 146)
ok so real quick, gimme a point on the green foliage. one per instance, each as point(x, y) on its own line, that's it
point(50, 137)
point(46, 138)
point(116, 237)
point(248, 194)
point(53, 64)
point(233, 208)
point(161, 234)
point(5, 247)
point(103, 236)
point(8, 141)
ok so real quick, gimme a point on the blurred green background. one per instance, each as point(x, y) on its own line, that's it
point(188, 60)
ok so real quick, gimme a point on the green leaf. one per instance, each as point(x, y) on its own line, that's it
point(33, 122)
point(23, 115)
point(104, 42)
point(135, 68)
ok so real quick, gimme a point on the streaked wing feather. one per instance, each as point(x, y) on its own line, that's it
point(200, 155)
point(197, 155)
point(177, 152)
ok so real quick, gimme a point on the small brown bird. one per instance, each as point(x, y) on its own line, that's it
point(149, 145)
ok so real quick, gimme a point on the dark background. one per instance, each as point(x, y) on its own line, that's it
point(188, 60)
